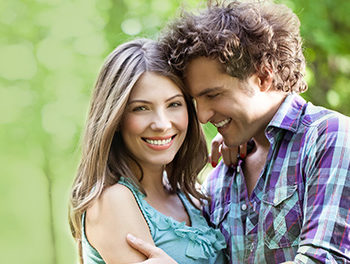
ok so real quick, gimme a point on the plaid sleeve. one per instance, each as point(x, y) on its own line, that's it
point(207, 189)
point(325, 235)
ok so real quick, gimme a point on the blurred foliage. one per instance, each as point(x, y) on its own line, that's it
point(325, 27)
point(50, 53)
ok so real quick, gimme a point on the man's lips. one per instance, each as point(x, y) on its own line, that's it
point(222, 123)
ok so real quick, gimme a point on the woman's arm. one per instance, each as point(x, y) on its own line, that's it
point(110, 219)
point(154, 255)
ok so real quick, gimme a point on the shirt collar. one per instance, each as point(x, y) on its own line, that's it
point(288, 115)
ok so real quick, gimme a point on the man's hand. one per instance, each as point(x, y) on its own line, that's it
point(154, 255)
point(229, 154)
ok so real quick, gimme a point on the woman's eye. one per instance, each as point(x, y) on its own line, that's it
point(175, 104)
point(139, 108)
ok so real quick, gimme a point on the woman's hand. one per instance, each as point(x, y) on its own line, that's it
point(229, 154)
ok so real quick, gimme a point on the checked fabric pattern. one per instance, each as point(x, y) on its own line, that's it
point(299, 209)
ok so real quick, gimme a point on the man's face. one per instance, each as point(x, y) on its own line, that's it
point(239, 109)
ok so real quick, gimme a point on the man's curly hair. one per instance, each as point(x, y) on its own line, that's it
point(247, 38)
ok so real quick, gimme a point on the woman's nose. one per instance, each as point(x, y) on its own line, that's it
point(161, 121)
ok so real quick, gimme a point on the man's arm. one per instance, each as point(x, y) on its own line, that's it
point(326, 225)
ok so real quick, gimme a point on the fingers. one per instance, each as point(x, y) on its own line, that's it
point(243, 150)
point(229, 155)
point(153, 254)
point(215, 150)
point(144, 247)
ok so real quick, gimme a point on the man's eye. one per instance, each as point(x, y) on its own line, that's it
point(212, 95)
point(139, 108)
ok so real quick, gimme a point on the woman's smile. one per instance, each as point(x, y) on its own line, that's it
point(159, 143)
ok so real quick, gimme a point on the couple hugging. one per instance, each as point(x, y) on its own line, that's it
point(281, 193)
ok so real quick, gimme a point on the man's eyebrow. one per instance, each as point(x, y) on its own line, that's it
point(208, 90)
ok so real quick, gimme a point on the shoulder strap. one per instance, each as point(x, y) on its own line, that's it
point(139, 199)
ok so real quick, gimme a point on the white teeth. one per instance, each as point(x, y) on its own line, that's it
point(158, 142)
point(222, 123)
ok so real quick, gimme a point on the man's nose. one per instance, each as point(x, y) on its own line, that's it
point(204, 112)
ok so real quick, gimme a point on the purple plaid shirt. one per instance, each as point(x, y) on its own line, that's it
point(299, 209)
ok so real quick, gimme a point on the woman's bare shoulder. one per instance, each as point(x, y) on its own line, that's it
point(110, 218)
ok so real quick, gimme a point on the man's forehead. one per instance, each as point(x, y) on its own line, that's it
point(204, 91)
point(212, 62)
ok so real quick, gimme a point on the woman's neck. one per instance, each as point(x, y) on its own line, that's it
point(152, 180)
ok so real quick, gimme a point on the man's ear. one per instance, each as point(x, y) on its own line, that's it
point(265, 79)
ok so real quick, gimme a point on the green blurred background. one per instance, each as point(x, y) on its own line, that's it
point(50, 54)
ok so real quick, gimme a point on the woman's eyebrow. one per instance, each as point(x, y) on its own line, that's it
point(148, 102)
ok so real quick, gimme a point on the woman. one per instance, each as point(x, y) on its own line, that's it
point(142, 151)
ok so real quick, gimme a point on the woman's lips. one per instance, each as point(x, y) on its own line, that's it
point(159, 143)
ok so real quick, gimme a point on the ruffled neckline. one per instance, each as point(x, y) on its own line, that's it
point(204, 241)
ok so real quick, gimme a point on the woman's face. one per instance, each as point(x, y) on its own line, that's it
point(155, 121)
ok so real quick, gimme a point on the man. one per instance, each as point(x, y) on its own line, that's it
point(289, 200)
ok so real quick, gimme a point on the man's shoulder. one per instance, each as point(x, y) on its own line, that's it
point(324, 128)
point(298, 115)
point(318, 116)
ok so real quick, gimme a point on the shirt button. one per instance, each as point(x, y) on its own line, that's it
point(252, 247)
point(237, 169)
point(244, 207)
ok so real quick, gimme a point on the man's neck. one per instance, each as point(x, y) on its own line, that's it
point(254, 164)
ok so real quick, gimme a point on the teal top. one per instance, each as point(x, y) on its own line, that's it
point(197, 243)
